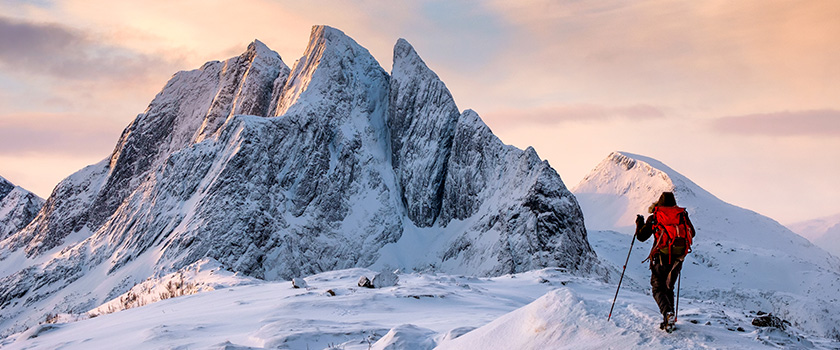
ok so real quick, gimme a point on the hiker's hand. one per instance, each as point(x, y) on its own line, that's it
point(640, 220)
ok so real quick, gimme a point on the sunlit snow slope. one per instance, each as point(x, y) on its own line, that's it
point(740, 257)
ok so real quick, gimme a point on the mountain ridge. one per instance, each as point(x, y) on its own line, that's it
point(306, 184)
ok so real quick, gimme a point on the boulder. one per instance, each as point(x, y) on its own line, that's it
point(365, 282)
point(385, 279)
point(298, 282)
point(769, 321)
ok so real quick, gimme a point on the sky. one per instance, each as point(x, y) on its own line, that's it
point(741, 97)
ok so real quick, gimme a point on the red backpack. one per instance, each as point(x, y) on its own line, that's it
point(673, 235)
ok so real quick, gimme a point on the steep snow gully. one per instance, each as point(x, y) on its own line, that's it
point(246, 173)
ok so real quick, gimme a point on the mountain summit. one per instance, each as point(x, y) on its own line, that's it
point(276, 172)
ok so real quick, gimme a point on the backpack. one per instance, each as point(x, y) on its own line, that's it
point(673, 235)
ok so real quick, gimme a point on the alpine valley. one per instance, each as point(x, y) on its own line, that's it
point(244, 174)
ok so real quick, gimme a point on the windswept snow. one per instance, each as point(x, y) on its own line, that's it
point(543, 309)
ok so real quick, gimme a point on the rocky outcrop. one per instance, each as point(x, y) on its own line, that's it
point(17, 207)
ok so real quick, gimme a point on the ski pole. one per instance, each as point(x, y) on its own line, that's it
point(622, 276)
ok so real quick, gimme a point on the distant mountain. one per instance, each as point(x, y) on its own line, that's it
point(276, 172)
point(823, 232)
point(17, 207)
point(739, 257)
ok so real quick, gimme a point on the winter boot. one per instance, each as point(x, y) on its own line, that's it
point(668, 325)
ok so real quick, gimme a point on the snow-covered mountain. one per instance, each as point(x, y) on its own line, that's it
point(823, 232)
point(274, 173)
point(739, 257)
point(17, 207)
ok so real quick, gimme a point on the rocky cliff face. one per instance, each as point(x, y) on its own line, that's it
point(277, 172)
point(17, 207)
point(422, 118)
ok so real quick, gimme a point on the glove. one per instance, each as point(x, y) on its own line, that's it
point(640, 221)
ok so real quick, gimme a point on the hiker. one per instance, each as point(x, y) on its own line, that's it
point(670, 227)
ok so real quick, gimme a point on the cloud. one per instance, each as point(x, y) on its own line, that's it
point(59, 51)
point(57, 135)
point(821, 122)
point(553, 115)
point(699, 55)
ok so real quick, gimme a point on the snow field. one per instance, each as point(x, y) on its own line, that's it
point(543, 309)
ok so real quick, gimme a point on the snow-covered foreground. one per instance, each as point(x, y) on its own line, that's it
point(544, 309)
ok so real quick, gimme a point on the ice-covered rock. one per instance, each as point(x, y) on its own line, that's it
point(18, 207)
point(385, 279)
point(298, 282)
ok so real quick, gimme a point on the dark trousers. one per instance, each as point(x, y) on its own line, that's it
point(663, 277)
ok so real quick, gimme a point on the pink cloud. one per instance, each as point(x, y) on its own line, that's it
point(59, 51)
point(552, 115)
point(57, 134)
point(821, 122)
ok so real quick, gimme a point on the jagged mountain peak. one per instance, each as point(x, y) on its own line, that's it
point(277, 173)
point(256, 49)
point(331, 62)
point(5, 187)
point(406, 56)
point(260, 47)
point(403, 48)
point(18, 207)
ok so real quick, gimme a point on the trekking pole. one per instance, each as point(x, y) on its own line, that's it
point(677, 308)
point(622, 276)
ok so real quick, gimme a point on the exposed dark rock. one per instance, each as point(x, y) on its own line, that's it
point(769, 321)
